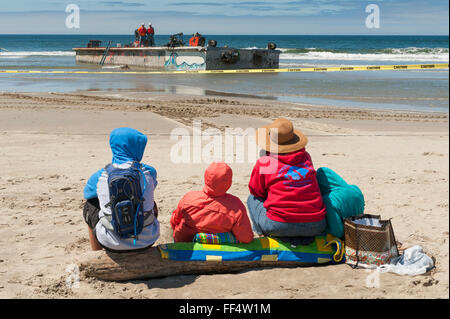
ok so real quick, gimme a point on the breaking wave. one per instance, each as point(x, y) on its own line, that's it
point(26, 54)
point(393, 54)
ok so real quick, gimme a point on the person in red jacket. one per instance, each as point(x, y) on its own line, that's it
point(285, 198)
point(151, 35)
point(212, 210)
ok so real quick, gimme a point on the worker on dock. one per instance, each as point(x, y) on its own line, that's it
point(151, 35)
point(197, 40)
point(143, 35)
point(193, 42)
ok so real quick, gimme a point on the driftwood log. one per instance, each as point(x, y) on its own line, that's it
point(148, 264)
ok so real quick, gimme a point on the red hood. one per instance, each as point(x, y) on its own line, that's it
point(218, 179)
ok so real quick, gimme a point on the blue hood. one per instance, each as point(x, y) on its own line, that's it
point(127, 144)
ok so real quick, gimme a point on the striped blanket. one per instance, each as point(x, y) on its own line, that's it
point(324, 249)
point(221, 238)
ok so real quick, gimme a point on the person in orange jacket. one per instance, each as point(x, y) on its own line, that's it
point(193, 41)
point(212, 210)
point(143, 34)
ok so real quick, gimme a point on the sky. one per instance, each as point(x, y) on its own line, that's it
point(331, 17)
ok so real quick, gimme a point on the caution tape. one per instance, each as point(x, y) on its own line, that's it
point(243, 71)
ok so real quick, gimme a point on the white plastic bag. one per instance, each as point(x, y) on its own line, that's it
point(413, 262)
point(368, 222)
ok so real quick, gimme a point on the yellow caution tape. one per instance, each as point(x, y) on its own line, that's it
point(243, 71)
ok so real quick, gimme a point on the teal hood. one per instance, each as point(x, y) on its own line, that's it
point(341, 200)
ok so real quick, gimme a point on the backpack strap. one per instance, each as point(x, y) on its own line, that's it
point(149, 218)
point(109, 168)
point(106, 219)
point(135, 165)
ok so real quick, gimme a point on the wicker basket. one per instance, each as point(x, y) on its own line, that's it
point(369, 246)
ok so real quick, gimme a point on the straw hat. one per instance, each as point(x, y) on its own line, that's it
point(280, 137)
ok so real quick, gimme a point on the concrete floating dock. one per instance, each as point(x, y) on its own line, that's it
point(182, 58)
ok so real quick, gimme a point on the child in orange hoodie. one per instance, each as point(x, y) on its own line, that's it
point(212, 210)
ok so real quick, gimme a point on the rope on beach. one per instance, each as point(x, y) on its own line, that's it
point(243, 71)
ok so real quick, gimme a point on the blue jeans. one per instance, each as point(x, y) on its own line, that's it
point(151, 40)
point(263, 225)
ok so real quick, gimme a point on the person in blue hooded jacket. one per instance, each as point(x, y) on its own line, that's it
point(127, 146)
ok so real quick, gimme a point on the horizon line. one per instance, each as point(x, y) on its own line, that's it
point(168, 34)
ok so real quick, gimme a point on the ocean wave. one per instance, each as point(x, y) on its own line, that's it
point(304, 65)
point(409, 50)
point(26, 54)
point(295, 54)
point(387, 54)
point(391, 54)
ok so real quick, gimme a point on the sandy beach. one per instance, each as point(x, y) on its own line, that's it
point(50, 143)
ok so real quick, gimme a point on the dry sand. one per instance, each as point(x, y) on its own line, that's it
point(51, 143)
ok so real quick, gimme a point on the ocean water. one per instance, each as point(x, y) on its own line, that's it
point(409, 90)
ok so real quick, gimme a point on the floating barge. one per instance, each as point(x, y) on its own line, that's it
point(181, 58)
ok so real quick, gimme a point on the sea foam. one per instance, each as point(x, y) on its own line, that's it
point(394, 54)
point(25, 54)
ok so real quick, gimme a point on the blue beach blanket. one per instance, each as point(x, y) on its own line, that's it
point(324, 249)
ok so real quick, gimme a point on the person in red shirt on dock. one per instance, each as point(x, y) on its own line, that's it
point(151, 35)
point(285, 198)
point(212, 210)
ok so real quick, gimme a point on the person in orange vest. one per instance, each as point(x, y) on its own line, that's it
point(151, 35)
point(193, 42)
point(143, 34)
